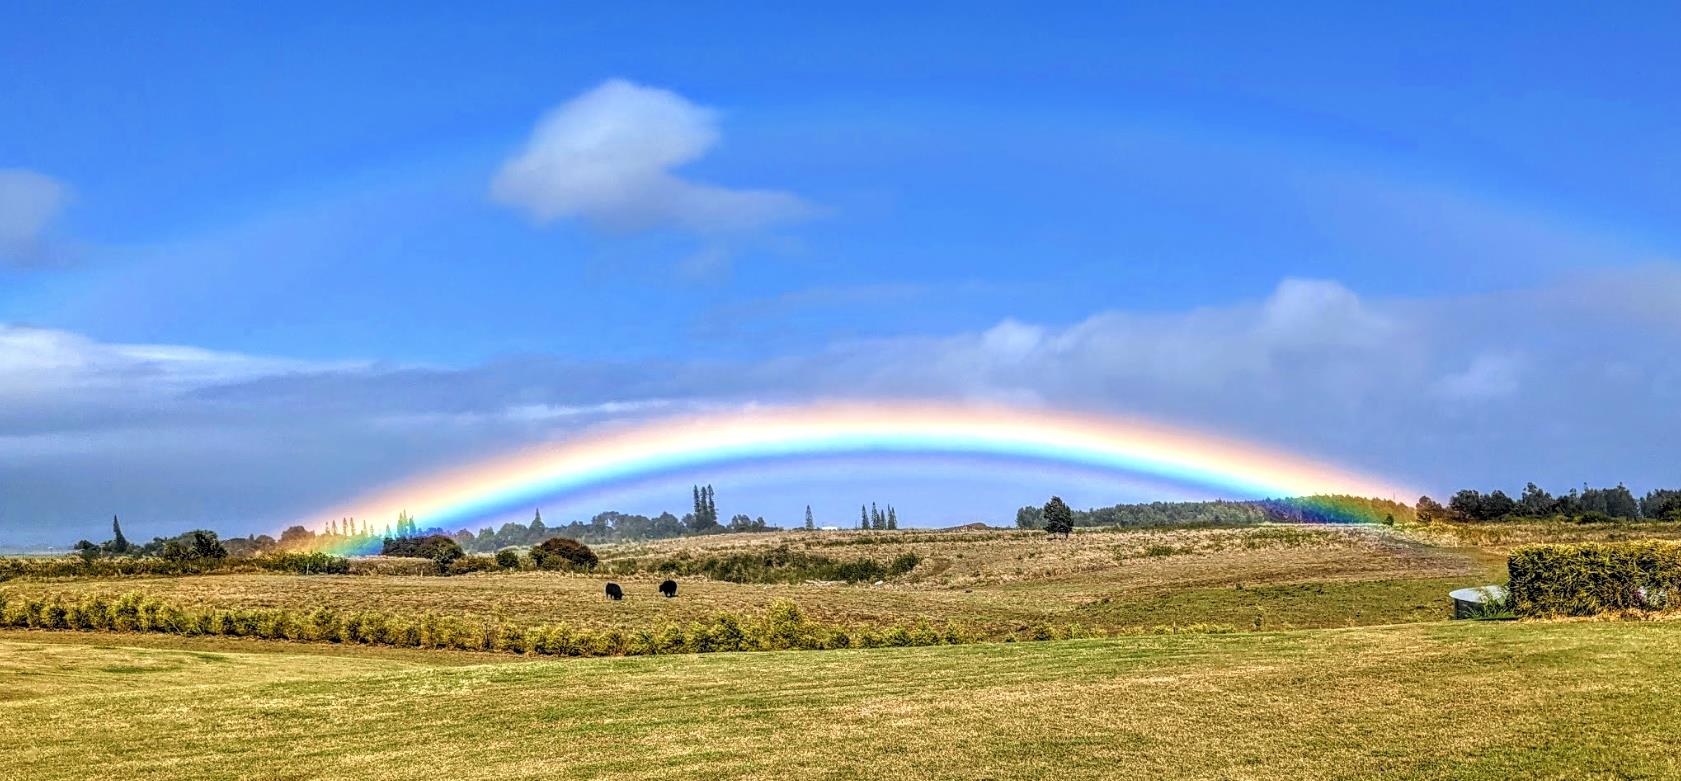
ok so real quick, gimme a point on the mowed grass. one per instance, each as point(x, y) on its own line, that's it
point(1467, 700)
point(996, 583)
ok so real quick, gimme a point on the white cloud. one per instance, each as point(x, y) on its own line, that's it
point(29, 202)
point(39, 362)
point(607, 157)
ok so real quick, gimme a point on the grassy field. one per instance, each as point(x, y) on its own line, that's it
point(998, 583)
point(1469, 700)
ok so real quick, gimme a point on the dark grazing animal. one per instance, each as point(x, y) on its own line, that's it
point(669, 589)
point(614, 592)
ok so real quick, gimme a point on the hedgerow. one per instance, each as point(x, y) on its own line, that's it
point(782, 627)
point(780, 564)
point(1589, 578)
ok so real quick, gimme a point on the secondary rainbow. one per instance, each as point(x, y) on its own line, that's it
point(627, 454)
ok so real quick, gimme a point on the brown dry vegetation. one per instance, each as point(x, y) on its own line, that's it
point(997, 583)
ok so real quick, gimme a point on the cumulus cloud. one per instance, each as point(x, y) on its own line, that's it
point(29, 202)
point(608, 157)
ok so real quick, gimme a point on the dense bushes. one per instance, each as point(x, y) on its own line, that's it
point(304, 563)
point(436, 547)
point(783, 626)
point(563, 553)
point(1594, 577)
point(782, 565)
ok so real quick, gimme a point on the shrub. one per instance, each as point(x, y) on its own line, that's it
point(563, 553)
point(467, 564)
point(507, 558)
point(304, 563)
point(1594, 577)
point(437, 547)
point(781, 565)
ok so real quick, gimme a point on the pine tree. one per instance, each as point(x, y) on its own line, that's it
point(863, 517)
point(119, 543)
point(711, 505)
point(892, 518)
point(876, 519)
point(809, 523)
point(700, 507)
point(1059, 519)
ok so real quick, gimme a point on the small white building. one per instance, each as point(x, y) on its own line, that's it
point(828, 528)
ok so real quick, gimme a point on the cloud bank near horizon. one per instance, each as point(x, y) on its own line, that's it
point(1493, 390)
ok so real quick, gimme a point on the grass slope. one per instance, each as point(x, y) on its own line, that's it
point(1463, 700)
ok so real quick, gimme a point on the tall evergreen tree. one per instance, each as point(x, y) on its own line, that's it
point(1059, 519)
point(700, 507)
point(892, 518)
point(863, 517)
point(809, 523)
point(119, 543)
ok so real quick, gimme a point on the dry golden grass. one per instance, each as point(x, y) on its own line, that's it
point(1468, 700)
point(996, 582)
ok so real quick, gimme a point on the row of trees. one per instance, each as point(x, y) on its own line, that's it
point(198, 544)
point(872, 517)
point(1304, 509)
point(1588, 504)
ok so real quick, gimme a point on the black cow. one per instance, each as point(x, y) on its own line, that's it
point(669, 589)
point(614, 592)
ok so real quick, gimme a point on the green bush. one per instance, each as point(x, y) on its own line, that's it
point(440, 548)
point(563, 553)
point(1583, 579)
point(507, 558)
point(780, 564)
point(782, 627)
point(304, 563)
point(467, 564)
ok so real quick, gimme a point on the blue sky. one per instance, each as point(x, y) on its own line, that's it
point(1448, 233)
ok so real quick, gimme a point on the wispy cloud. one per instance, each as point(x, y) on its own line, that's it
point(29, 203)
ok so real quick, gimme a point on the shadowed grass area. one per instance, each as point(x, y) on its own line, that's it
point(1466, 700)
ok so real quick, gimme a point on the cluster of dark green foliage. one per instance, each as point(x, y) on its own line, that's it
point(1589, 505)
point(1583, 579)
point(41, 568)
point(782, 627)
point(1326, 508)
point(437, 547)
point(780, 564)
point(196, 545)
point(304, 563)
point(873, 517)
point(1057, 517)
point(563, 553)
point(613, 526)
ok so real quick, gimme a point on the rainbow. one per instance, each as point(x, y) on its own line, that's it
point(626, 454)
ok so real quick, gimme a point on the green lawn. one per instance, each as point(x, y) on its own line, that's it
point(1437, 700)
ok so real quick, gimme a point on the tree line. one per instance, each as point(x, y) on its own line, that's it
point(1587, 505)
point(1325, 508)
